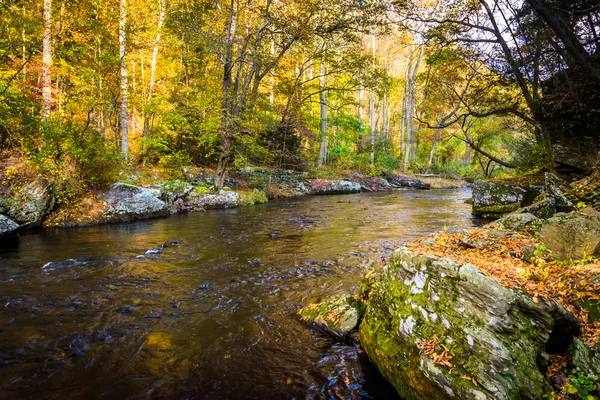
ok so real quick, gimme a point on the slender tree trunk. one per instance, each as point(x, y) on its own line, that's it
point(23, 47)
point(227, 123)
point(47, 61)
point(323, 101)
point(161, 19)
point(373, 102)
point(124, 114)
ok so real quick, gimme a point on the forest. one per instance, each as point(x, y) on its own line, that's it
point(92, 91)
point(434, 171)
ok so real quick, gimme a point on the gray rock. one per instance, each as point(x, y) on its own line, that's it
point(331, 186)
point(128, 202)
point(337, 316)
point(515, 222)
point(584, 359)
point(493, 200)
point(407, 182)
point(170, 192)
point(205, 201)
point(484, 331)
point(543, 207)
point(572, 236)
point(553, 183)
point(8, 231)
point(30, 204)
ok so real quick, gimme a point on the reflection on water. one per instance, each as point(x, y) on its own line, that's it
point(202, 305)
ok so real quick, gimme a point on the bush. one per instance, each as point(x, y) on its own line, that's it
point(256, 196)
point(172, 165)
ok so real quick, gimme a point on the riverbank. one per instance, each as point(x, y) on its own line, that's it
point(28, 202)
point(510, 310)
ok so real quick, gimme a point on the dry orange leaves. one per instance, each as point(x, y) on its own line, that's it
point(500, 256)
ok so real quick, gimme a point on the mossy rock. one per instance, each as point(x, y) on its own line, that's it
point(337, 316)
point(487, 339)
point(573, 236)
point(493, 199)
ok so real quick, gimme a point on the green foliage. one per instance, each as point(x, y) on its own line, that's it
point(255, 196)
point(582, 385)
point(172, 164)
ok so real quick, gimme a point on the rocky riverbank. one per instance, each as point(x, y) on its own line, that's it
point(507, 311)
point(26, 205)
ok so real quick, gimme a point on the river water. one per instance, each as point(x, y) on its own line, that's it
point(202, 306)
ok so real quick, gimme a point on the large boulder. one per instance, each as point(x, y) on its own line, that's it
point(573, 236)
point(30, 204)
point(8, 232)
point(553, 187)
point(437, 330)
point(517, 222)
point(204, 201)
point(584, 359)
point(331, 186)
point(405, 181)
point(128, 202)
point(493, 200)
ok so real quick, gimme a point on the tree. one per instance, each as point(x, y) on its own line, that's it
point(124, 114)
point(47, 61)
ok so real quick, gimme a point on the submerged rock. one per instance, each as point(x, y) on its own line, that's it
point(8, 232)
point(573, 236)
point(437, 329)
point(331, 186)
point(127, 202)
point(337, 316)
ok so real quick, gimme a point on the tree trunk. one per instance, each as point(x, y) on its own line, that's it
point(227, 122)
point(323, 102)
point(161, 19)
point(47, 61)
point(373, 104)
point(124, 115)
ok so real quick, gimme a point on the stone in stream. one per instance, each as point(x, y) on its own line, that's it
point(128, 202)
point(331, 186)
point(407, 182)
point(337, 316)
point(8, 232)
point(493, 200)
point(437, 329)
point(207, 201)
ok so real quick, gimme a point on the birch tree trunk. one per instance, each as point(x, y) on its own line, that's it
point(161, 19)
point(124, 116)
point(372, 106)
point(47, 61)
point(323, 100)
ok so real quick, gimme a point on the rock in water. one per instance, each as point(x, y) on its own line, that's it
point(337, 316)
point(205, 201)
point(437, 329)
point(8, 232)
point(573, 236)
point(407, 182)
point(493, 200)
point(331, 186)
point(128, 202)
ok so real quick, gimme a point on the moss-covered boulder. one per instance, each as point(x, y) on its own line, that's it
point(29, 204)
point(583, 358)
point(337, 316)
point(437, 329)
point(493, 200)
point(521, 222)
point(573, 236)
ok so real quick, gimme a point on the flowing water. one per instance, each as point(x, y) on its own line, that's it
point(202, 306)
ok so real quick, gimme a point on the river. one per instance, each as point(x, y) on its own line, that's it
point(202, 306)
